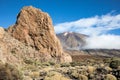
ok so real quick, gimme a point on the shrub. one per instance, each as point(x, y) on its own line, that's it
point(108, 68)
point(9, 72)
point(55, 76)
point(110, 77)
point(114, 64)
point(46, 64)
point(34, 75)
point(91, 69)
point(73, 64)
point(28, 61)
point(74, 74)
point(107, 60)
point(65, 65)
point(91, 76)
point(101, 71)
point(83, 77)
point(27, 78)
point(52, 63)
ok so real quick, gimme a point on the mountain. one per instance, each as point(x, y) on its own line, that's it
point(31, 38)
point(73, 43)
point(72, 40)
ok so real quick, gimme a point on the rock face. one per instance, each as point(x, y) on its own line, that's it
point(34, 28)
point(12, 50)
point(1, 32)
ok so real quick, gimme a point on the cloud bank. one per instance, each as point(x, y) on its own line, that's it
point(97, 28)
point(103, 42)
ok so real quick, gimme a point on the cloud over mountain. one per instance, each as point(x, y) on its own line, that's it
point(103, 41)
point(98, 28)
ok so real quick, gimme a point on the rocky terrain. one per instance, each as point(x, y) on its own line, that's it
point(30, 50)
point(89, 69)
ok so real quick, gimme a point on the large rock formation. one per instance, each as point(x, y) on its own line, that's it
point(34, 28)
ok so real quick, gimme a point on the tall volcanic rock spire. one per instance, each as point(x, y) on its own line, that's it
point(34, 28)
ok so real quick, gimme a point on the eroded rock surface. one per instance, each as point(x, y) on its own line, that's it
point(34, 28)
point(14, 51)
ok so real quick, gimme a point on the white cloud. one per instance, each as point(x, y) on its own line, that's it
point(91, 26)
point(96, 27)
point(103, 41)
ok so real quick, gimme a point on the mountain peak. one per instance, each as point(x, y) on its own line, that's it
point(65, 33)
point(72, 40)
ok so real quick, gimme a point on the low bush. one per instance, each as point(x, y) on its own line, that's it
point(73, 64)
point(110, 77)
point(9, 72)
point(82, 77)
point(114, 64)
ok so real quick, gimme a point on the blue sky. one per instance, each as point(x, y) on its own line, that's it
point(59, 10)
point(99, 19)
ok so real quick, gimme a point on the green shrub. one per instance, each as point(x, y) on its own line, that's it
point(107, 60)
point(65, 65)
point(52, 63)
point(73, 64)
point(28, 61)
point(46, 64)
point(114, 64)
point(74, 74)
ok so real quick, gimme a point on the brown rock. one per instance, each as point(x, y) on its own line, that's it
point(1, 32)
point(13, 51)
point(34, 28)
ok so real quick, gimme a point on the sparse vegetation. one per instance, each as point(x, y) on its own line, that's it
point(110, 77)
point(115, 64)
point(9, 72)
point(88, 69)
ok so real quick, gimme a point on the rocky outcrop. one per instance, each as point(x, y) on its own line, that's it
point(13, 51)
point(1, 32)
point(34, 28)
